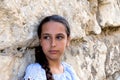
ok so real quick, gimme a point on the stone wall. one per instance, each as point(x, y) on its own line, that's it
point(95, 46)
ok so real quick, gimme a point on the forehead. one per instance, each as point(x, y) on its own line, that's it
point(53, 27)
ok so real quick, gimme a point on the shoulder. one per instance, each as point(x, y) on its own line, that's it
point(70, 71)
point(34, 65)
point(67, 66)
point(33, 70)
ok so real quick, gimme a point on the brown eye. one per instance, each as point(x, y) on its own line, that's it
point(46, 37)
point(59, 37)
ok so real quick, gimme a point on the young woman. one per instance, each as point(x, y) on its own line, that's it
point(54, 37)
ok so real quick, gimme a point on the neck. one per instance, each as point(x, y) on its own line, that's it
point(56, 67)
point(56, 63)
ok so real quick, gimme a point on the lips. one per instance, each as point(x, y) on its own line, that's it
point(53, 51)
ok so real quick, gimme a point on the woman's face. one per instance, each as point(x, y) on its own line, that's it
point(54, 40)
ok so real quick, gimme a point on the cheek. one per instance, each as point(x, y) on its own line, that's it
point(63, 44)
point(44, 45)
point(45, 48)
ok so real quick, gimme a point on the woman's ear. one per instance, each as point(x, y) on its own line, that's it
point(68, 41)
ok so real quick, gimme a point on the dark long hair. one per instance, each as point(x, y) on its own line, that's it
point(39, 54)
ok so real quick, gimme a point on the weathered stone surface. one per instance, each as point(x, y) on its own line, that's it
point(109, 13)
point(95, 46)
point(13, 63)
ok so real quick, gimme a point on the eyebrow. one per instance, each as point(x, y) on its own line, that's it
point(51, 34)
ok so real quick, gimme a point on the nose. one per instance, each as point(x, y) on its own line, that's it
point(53, 42)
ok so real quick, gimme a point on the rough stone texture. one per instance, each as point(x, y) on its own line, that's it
point(95, 46)
point(109, 12)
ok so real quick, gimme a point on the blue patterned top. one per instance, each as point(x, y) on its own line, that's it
point(36, 72)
